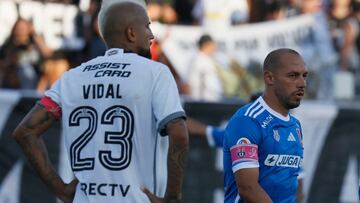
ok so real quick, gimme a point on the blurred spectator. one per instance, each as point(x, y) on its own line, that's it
point(322, 61)
point(220, 13)
point(154, 10)
point(51, 70)
point(158, 55)
point(240, 82)
point(169, 15)
point(311, 6)
point(159, 12)
point(211, 82)
point(204, 81)
point(162, 11)
point(95, 44)
point(84, 19)
point(344, 29)
point(61, 1)
point(21, 56)
point(257, 11)
point(275, 10)
point(183, 8)
point(356, 17)
point(84, 23)
point(269, 10)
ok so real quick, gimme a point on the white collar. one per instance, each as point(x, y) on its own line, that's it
point(116, 51)
point(272, 111)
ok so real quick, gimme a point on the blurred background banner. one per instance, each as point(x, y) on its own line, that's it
point(55, 21)
point(330, 160)
point(249, 44)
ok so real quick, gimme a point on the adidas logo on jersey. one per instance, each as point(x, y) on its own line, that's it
point(291, 138)
point(283, 160)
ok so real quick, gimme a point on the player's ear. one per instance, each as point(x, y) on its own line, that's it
point(130, 33)
point(268, 77)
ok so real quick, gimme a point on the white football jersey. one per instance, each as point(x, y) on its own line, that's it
point(113, 109)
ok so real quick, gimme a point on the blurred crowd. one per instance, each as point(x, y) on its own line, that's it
point(26, 62)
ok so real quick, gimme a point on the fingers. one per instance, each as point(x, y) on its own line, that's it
point(74, 182)
point(151, 197)
point(72, 185)
point(146, 191)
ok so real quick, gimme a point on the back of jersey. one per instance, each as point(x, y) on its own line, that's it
point(112, 110)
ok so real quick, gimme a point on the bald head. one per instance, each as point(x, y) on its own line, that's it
point(274, 59)
point(118, 17)
point(106, 5)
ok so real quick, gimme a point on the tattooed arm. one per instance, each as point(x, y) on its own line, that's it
point(28, 135)
point(177, 155)
point(178, 150)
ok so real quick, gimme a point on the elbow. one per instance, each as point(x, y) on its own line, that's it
point(182, 140)
point(179, 134)
point(246, 191)
point(19, 134)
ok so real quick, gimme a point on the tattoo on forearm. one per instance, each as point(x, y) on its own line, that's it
point(178, 155)
point(29, 137)
point(177, 158)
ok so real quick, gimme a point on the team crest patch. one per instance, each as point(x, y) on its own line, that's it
point(243, 140)
point(276, 135)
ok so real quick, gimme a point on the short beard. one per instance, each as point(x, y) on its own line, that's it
point(285, 101)
point(145, 53)
point(289, 105)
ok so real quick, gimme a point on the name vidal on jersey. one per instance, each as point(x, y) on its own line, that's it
point(98, 91)
point(104, 189)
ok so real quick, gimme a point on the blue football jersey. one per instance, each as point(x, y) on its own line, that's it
point(257, 136)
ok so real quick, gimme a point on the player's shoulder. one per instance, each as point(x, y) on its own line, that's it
point(153, 64)
point(242, 117)
point(90, 62)
point(147, 64)
point(294, 119)
point(255, 110)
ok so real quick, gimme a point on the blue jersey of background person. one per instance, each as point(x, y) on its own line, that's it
point(280, 151)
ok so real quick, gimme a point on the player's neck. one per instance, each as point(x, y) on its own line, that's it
point(119, 45)
point(273, 102)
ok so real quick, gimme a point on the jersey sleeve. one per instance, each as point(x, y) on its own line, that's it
point(51, 101)
point(166, 100)
point(51, 106)
point(215, 136)
point(242, 138)
point(54, 92)
point(299, 133)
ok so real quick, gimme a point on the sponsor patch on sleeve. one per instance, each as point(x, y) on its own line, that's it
point(244, 153)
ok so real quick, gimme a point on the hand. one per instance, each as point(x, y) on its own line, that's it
point(152, 198)
point(69, 191)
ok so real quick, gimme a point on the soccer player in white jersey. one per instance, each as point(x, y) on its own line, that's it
point(114, 110)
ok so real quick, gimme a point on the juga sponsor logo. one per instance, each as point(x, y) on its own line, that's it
point(283, 160)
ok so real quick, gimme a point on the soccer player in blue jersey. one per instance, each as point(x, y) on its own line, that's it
point(263, 142)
